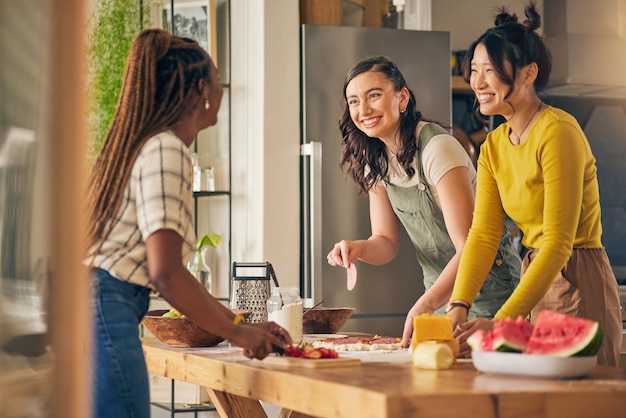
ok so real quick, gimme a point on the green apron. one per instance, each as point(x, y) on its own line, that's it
point(425, 225)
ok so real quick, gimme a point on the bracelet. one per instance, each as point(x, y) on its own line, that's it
point(453, 305)
point(237, 319)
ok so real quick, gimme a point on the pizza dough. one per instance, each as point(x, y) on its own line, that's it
point(376, 343)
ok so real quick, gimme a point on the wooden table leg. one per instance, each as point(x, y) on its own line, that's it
point(233, 406)
point(286, 413)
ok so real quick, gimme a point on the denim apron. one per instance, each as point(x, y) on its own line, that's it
point(418, 212)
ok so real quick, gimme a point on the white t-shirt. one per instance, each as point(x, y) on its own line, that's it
point(441, 154)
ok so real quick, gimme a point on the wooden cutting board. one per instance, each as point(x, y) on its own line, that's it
point(311, 363)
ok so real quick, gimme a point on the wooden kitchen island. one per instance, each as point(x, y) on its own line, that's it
point(381, 388)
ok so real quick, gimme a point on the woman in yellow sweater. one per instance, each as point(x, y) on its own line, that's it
point(538, 169)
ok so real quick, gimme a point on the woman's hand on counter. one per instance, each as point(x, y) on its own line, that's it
point(257, 339)
point(464, 330)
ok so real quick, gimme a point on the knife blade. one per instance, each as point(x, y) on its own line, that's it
point(277, 349)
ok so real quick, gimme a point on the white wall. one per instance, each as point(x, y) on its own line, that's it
point(467, 20)
point(265, 134)
point(588, 40)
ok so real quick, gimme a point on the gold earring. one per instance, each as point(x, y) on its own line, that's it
point(206, 104)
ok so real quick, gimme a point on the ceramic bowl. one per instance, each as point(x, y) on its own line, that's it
point(324, 320)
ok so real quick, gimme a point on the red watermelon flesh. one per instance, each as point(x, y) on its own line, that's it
point(561, 335)
point(510, 335)
point(481, 340)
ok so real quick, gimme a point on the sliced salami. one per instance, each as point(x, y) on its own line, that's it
point(352, 276)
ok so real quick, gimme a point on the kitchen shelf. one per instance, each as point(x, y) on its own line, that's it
point(212, 210)
point(185, 407)
point(212, 193)
point(178, 407)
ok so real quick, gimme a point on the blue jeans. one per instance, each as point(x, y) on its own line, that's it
point(120, 382)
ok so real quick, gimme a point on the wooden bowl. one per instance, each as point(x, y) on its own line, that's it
point(182, 332)
point(325, 320)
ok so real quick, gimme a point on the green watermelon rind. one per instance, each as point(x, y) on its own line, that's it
point(511, 336)
point(594, 346)
point(504, 346)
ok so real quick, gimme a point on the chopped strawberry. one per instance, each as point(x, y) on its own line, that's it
point(306, 347)
point(327, 352)
point(313, 354)
point(292, 351)
point(308, 351)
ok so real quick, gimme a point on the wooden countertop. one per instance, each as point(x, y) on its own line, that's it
point(384, 386)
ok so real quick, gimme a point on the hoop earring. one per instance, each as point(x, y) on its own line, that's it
point(206, 104)
point(403, 110)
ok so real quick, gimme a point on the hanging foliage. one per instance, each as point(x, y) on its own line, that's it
point(113, 24)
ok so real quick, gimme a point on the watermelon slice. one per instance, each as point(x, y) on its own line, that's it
point(481, 340)
point(561, 335)
point(509, 335)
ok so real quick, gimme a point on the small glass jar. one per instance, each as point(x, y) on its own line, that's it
point(197, 173)
point(284, 307)
point(208, 179)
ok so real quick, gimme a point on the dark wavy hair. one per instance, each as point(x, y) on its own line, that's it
point(517, 43)
point(358, 149)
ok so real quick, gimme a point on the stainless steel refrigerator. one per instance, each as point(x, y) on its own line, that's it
point(332, 209)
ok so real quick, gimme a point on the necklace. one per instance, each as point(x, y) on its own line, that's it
point(519, 137)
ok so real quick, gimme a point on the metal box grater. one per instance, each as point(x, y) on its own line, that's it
point(250, 290)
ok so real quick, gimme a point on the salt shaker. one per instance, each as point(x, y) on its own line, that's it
point(284, 307)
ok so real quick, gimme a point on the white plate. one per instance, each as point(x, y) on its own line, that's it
point(533, 364)
point(311, 338)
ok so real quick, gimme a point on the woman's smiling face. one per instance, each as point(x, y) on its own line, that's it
point(375, 106)
point(489, 89)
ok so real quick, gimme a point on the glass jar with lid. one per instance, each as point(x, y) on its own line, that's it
point(284, 307)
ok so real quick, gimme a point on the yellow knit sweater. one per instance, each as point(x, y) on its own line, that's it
point(548, 187)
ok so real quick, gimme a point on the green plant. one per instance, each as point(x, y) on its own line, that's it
point(112, 26)
point(212, 240)
point(207, 240)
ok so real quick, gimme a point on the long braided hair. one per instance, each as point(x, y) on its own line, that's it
point(163, 72)
point(359, 150)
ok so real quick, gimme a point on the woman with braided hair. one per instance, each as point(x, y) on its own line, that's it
point(538, 169)
point(140, 218)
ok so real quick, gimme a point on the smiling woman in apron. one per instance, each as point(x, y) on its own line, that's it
point(419, 177)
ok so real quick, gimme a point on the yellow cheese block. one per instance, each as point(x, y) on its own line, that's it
point(433, 355)
point(428, 327)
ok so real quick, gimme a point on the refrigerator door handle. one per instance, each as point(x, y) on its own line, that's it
point(312, 286)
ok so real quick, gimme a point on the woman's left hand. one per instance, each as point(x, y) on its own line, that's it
point(464, 330)
point(418, 308)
